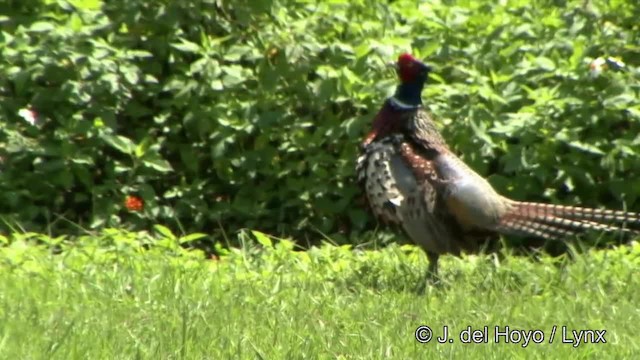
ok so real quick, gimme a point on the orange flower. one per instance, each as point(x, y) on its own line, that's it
point(133, 203)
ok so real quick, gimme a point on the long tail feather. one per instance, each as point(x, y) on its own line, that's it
point(558, 222)
point(579, 224)
point(518, 225)
point(579, 213)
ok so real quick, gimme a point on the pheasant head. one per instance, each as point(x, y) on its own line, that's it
point(413, 74)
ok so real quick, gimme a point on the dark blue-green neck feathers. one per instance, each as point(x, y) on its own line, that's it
point(408, 95)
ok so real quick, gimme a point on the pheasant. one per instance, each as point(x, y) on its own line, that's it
point(413, 179)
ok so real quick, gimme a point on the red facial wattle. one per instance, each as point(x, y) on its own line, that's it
point(408, 67)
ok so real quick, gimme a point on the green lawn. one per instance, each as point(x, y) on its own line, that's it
point(121, 302)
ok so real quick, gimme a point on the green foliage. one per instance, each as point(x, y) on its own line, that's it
point(118, 294)
point(247, 114)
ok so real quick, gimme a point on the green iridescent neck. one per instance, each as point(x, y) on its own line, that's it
point(410, 93)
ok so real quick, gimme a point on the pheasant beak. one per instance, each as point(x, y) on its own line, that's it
point(393, 64)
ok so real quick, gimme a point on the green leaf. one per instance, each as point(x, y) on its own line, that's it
point(164, 231)
point(620, 101)
point(155, 162)
point(41, 26)
point(216, 85)
point(237, 51)
point(586, 147)
point(75, 22)
point(120, 143)
point(186, 46)
point(262, 238)
point(578, 51)
point(191, 237)
point(234, 75)
point(86, 4)
point(545, 63)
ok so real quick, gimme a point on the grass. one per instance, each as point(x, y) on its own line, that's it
point(120, 302)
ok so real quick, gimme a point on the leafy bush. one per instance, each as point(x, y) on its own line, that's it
point(247, 114)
